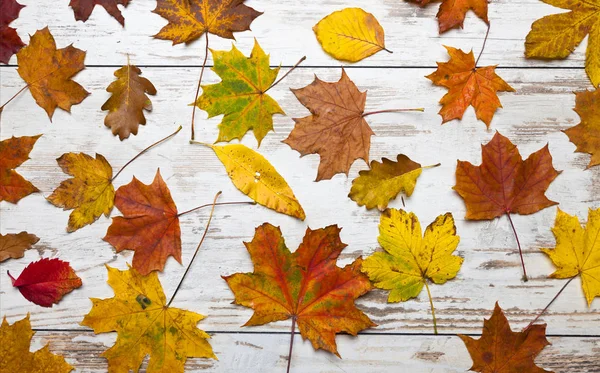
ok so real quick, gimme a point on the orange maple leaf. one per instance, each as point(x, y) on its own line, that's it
point(586, 135)
point(500, 350)
point(468, 85)
point(306, 286)
point(13, 152)
point(452, 13)
point(149, 225)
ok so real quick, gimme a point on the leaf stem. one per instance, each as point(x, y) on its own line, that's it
point(286, 74)
point(432, 166)
point(392, 111)
point(519, 245)
point(289, 364)
point(199, 84)
point(216, 204)
point(197, 248)
point(13, 97)
point(549, 304)
point(435, 331)
point(483, 46)
point(200, 143)
point(144, 151)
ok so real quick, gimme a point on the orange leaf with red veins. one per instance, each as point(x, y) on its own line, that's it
point(83, 8)
point(149, 225)
point(500, 350)
point(10, 42)
point(336, 130)
point(306, 285)
point(504, 183)
point(468, 85)
point(13, 152)
point(586, 135)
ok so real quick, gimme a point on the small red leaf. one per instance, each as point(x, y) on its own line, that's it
point(46, 281)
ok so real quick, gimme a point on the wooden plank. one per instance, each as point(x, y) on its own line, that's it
point(285, 31)
point(531, 117)
point(365, 353)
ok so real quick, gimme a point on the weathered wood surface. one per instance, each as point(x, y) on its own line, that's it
point(531, 117)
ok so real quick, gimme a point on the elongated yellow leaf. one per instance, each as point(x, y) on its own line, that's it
point(350, 34)
point(252, 174)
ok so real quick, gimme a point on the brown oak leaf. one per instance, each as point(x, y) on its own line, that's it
point(468, 85)
point(586, 135)
point(14, 245)
point(10, 41)
point(83, 8)
point(13, 152)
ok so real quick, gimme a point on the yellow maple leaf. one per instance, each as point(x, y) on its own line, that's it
point(410, 259)
point(577, 251)
point(15, 356)
point(89, 192)
point(146, 325)
point(350, 34)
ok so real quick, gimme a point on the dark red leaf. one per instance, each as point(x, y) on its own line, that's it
point(10, 42)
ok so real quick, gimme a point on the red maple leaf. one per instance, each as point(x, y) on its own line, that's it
point(83, 8)
point(10, 42)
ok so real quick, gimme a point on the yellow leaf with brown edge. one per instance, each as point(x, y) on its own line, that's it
point(586, 135)
point(577, 251)
point(146, 325)
point(252, 174)
point(350, 34)
point(89, 192)
point(15, 356)
point(48, 72)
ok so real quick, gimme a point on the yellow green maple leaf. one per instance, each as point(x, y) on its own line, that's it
point(146, 325)
point(241, 94)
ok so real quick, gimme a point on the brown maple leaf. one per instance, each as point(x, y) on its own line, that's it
point(13, 152)
point(149, 225)
point(586, 135)
point(500, 350)
point(468, 85)
point(190, 19)
point(14, 245)
point(336, 130)
point(83, 8)
point(504, 183)
point(10, 42)
point(48, 72)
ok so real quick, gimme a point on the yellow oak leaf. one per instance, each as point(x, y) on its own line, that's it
point(89, 192)
point(252, 174)
point(350, 34)
point(586, 135)
point(15, 356)
point(146, 325)
point(577, 251)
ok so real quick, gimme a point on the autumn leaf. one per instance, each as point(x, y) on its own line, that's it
point(15, 356)
point(48, 72)
point(190, 19)
point(350, 34)
point(384, 180)
point(149, 225)
point(306, 285)
point(13, 152)
point(46, 281)
point(452, 13)
point(586, 135)
point(577, 251)
point(410, 260)
point(468, 85)
point(500, 350)
point(240, 95)
point(146, 325)
point(254, 176)
point(128, 101)
point(83, 8)
point(89, 192)
point(14, 245)
point(556, 36)
point(10, 41)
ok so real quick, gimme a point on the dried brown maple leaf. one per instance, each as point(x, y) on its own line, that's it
point(13, 152)
point(500, 350)
point(190, 19)
point(452, 12)
point(586, 135)
point(10, 42)
point(48, 72)
point(83, 8)
point(128, 101)
point(14, 245)
point(468, 85)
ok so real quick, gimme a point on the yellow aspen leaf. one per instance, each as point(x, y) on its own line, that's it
point(89, 192)
point(15, 356)
point(586, 135)
point(577, 251)
point(350, 34)
point(128, 101)
point(556, 36)
point(384, 181)
point(410, 259)
point(146, 325)
point(252, 174)
point(240, 95)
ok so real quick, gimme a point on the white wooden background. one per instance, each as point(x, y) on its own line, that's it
point(403, 342)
